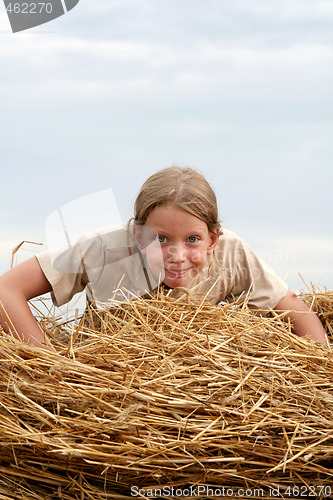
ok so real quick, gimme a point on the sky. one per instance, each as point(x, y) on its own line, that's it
point(115, 90)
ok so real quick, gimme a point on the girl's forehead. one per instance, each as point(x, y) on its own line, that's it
point(174, 218)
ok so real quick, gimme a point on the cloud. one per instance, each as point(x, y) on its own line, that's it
point(109, 70)
point(8, 246)
point(180, 23)
point(298, 258)
point(155, 47)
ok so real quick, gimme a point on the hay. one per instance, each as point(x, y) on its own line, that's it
point(165, 393)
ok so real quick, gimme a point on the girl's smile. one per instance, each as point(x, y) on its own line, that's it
point(185, 242)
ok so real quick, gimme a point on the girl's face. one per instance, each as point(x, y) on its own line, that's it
point(185, 242)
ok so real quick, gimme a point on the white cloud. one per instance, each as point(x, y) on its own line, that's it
point(96, 70)
point(298, 258)
point(7, 252)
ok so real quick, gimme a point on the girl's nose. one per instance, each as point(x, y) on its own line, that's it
point(176, 253)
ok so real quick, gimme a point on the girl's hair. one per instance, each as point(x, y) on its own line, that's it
point(184, 187)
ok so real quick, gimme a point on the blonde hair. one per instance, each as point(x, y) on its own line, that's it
point(184, 187)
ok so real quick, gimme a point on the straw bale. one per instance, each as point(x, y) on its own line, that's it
point(167, 393)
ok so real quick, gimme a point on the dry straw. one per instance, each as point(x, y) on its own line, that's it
point(167, 393)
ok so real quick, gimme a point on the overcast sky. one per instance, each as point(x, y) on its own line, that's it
point(114, 90)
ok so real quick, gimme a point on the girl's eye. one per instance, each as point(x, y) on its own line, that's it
point(193, 239)
point(161, 239)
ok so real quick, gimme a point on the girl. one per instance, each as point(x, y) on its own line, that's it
point(175, 238)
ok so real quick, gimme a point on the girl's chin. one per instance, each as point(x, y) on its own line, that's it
point(178, 280)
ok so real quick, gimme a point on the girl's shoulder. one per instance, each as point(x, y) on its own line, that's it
point(229, 237)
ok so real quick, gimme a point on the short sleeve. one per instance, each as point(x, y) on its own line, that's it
point(65, 268)
point(64, 285)
point(254, 279)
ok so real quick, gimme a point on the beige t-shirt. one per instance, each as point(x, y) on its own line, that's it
point(109, 266)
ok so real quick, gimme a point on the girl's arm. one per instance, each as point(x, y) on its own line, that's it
point(17, 286)
point(304, 321)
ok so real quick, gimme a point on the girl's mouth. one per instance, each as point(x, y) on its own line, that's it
point(177, 273)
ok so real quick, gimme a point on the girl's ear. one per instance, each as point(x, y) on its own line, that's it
point(214, 239)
